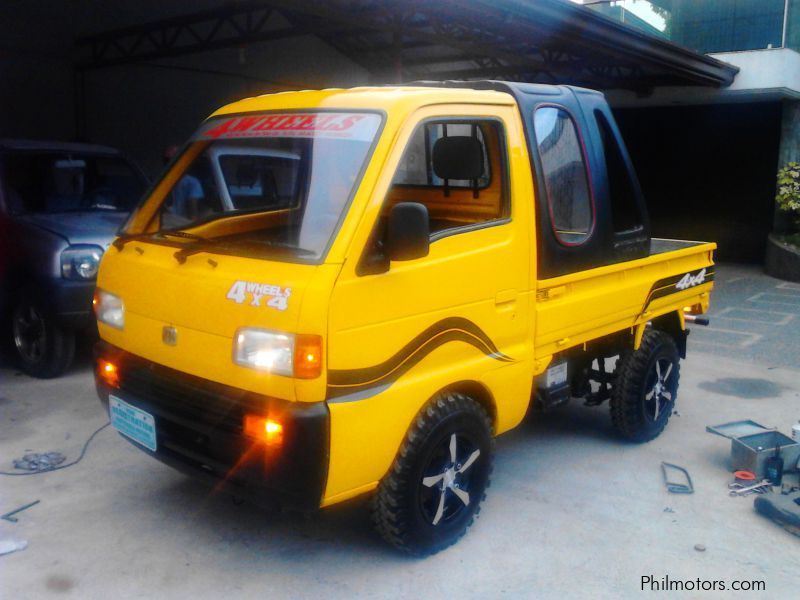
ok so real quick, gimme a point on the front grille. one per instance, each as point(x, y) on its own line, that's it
point(199, 430)
point(188, 398)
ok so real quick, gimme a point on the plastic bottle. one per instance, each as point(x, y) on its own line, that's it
point(773, 467)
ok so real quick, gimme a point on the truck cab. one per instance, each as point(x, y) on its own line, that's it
point(376, 282)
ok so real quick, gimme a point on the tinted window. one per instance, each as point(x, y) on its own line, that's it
point(625, 213)
point(52, 182)
point(564, 174)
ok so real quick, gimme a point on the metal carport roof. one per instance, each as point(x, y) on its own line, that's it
point(550, 41)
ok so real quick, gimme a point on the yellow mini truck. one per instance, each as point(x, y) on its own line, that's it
point(345, 292)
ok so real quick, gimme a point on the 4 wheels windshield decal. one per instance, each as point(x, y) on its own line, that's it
point(355, 126)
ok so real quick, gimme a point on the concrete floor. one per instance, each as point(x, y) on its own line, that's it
point(571, 513)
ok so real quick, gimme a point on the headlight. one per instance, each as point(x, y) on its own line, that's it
point(280, 353)
point(264, 350)
point(109, 309)
point(81, 261)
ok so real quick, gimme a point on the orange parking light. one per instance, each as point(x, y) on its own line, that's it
point(264, 429)
point(108, 372)
point(307, 356)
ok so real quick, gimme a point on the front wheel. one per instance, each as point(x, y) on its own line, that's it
point(646, 388)
point(45, 349)
point(439, 478)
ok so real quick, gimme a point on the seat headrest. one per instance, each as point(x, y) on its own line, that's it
point(458, 157)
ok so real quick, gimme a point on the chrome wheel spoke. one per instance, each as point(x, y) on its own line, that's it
point(461, 495)
point(432, 480)
point(667, 374)
point(440, 510)
point(650, 394)
point(468, 463)
point(658, 370)
point(453, 448)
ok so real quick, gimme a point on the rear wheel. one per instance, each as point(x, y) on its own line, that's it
point(44, 348)
point(439, 478)
point(646, 388)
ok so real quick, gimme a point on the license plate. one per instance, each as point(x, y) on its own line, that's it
point(132, 422)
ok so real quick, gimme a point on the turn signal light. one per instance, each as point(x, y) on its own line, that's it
point(694, 309)
point(307, 356)
point(264, 429)
point(108, 372)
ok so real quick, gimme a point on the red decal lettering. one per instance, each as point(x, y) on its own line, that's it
point(269, 123)
point(347, 122)
point(307, 122)
point(217, 131)
point(245, 123)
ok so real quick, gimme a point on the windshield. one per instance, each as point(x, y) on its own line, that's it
point(56, 182)
point(295, 173)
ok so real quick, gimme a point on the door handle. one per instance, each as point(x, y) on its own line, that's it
point(505, 297)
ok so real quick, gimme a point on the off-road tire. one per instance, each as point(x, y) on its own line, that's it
point(629, 408)
point(398, 512)
point(57, 343)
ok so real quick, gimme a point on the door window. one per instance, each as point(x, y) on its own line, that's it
point(565, 175)
point(457, 170)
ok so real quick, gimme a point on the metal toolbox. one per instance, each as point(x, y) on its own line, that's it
point(752, 444)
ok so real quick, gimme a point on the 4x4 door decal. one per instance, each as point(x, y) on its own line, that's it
point(353, 382)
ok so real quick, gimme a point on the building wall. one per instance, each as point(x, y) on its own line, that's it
point(36, 97)
point(142, 108)
point(708, 172)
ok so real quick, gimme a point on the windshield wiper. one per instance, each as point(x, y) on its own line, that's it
point(123, 239)
point(182, 234)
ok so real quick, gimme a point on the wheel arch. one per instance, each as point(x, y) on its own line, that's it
point(478, 392)
point(672, 324)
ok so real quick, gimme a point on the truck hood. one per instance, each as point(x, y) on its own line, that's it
point(84, 227)
point(204, 301)
point(209, 292)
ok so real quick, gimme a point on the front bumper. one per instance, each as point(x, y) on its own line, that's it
point(199, 430)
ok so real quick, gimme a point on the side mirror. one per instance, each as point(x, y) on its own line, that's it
point(408, 231)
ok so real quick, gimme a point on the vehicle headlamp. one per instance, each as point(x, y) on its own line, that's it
point(81, 261)
point(109, 309)
point(279, 353)
point(264, 350)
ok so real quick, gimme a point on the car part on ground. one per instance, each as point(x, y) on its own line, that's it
point(761, 487)
point(9, 516)
point(682, 487)
point(784, 510)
